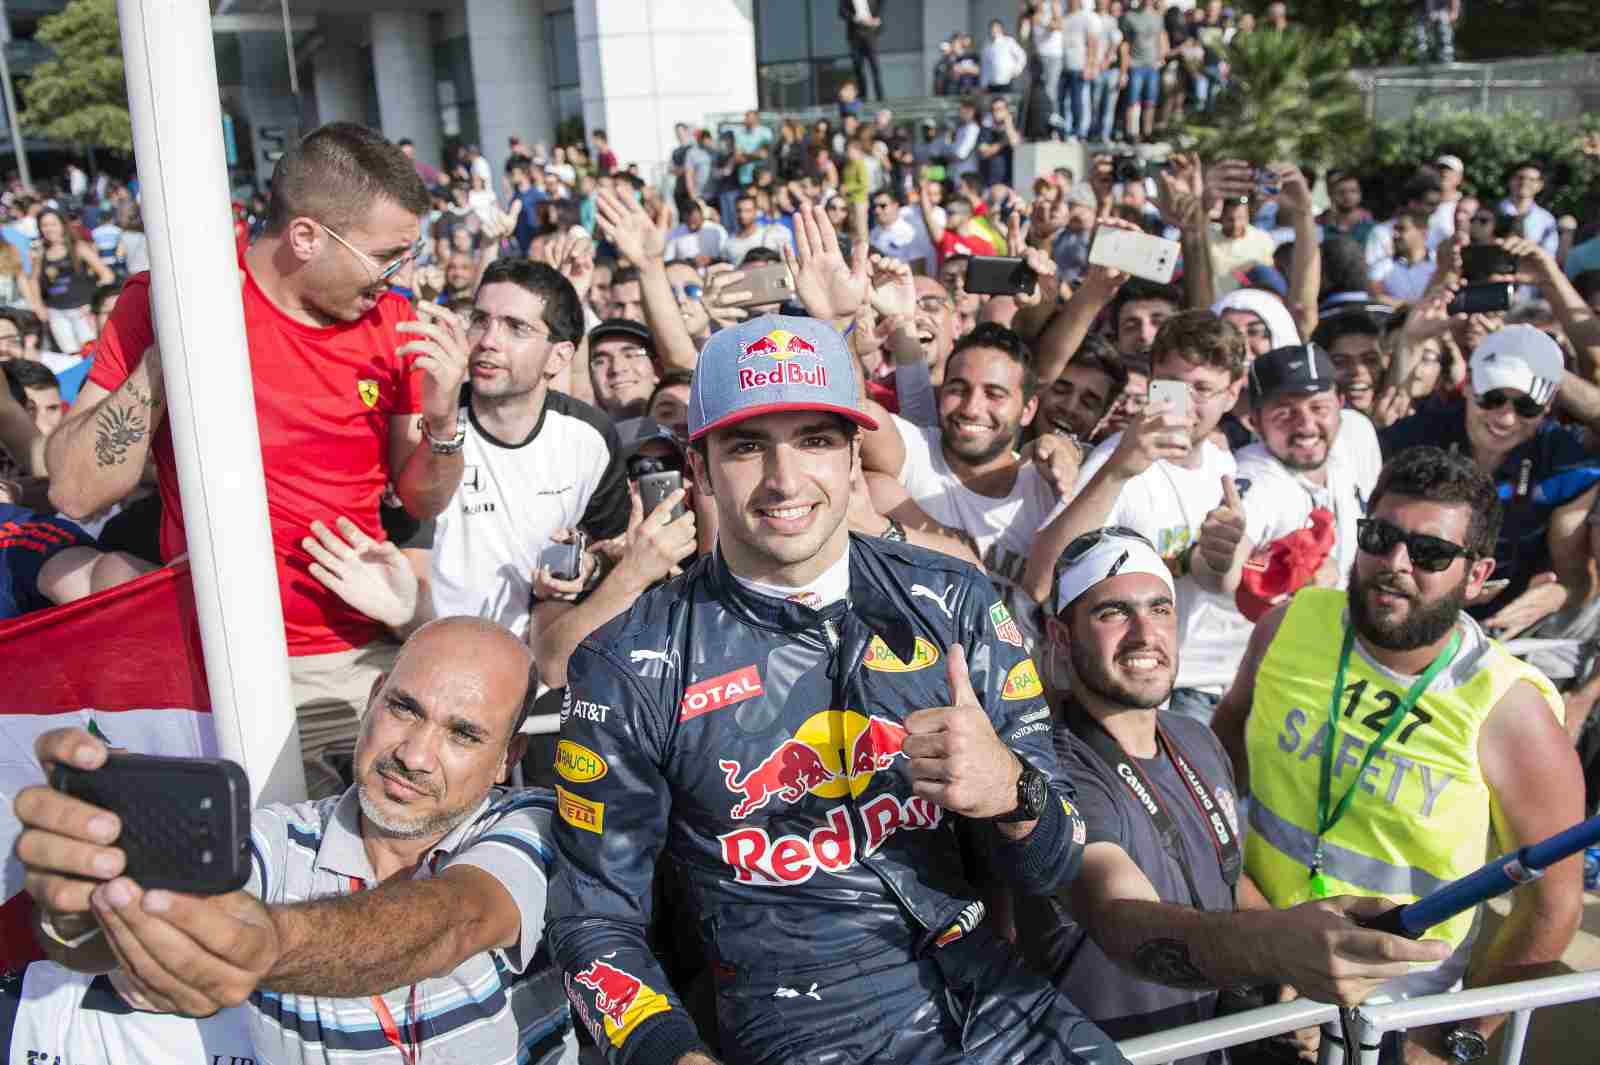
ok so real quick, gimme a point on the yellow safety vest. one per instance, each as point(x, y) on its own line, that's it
point(1422, 812)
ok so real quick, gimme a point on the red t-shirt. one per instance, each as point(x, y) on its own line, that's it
point(324, 437)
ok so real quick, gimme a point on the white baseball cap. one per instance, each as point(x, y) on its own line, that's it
point(1098, 556)
point(1451, 162)
point(1520, 357)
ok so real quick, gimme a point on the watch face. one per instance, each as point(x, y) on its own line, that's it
point(1033, 792)
point(1465, 1045)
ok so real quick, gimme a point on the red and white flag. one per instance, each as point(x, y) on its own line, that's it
point(125, 664)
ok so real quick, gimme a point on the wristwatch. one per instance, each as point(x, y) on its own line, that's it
point(1032, 791)
point(455, 443)
point(895, 531)
point(1465, 1044)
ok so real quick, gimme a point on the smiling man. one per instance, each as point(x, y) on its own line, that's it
point(1433, 747)
point(353, 392)
point(711, 717)
point(417, 896)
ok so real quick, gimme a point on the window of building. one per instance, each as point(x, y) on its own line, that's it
point(561, 43)
point(458, 105)
point(802, 55)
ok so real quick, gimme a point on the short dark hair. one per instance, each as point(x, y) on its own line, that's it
point(1417, 216)
point(30, 324)
point(1203, 339)
point(335, 174)
point(1344, 265)
point(600, 134)
point(996, 336)
point(25, 373)
point(744, 194)
point(625, 275)
point(1441, 476)
point(563, 312)
point(670, 379)
point(760, 254)
point(1137, 289)
point(1096, 353)
point(1418, 186)
point(1336, 327)
point(103, 293)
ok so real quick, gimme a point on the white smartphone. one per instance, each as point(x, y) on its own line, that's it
point(1139, 254)
point(1175, 393)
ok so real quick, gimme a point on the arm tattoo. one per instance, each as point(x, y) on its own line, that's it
point(117, 428)
point(1166, 961)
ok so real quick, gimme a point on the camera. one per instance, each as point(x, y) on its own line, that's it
point(1128, 167)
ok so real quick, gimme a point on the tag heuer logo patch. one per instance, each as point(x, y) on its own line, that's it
point(367, 389)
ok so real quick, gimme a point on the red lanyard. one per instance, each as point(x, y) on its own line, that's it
point(411, 1049)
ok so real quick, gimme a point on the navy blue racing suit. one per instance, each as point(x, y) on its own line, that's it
point(758, 742)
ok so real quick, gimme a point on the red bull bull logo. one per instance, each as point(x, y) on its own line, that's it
point(833, 754)
point(779, 344)
point(622, 998)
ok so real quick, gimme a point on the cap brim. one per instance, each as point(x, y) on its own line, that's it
point(859, 417)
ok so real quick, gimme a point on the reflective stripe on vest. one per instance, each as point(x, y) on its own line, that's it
point(1421, 814)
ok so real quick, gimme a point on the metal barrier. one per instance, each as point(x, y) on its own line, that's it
point(1560, 88)
point(1369, 1023)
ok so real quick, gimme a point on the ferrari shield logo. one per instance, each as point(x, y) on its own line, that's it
point(367, 389)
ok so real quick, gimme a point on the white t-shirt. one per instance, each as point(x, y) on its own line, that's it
point(512, 497)
point(1168, 504)
point(1076, 30)
point(907, 239)
point(1003, 528)
point(688, 246)
point(66, 1016)
point(1279, 501)
point(735, 247)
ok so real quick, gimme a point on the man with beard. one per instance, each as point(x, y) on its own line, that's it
point(1159, 916)
point(1388, 780)
point(966, 475)
point(420, 888)
point(1161, 477)
point(1541, 469)
point(1314, 463)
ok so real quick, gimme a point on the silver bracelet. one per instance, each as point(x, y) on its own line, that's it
point(49, 929)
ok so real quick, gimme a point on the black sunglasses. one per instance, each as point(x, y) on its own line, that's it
point(1082, 545)
point(1525, 406)
point(1428, 553)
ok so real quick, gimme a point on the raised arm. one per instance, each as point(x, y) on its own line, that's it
point(628, 226)
point(424, 478)
point(96, 456)
point(1305, 268)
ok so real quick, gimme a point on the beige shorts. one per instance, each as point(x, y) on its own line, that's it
point(330, 697)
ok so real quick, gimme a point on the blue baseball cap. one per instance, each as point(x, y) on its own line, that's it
point(770, 365)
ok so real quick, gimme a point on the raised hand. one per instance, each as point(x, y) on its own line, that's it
point(629, 228)
point(371, 576)
point(1158, 434)
point(1058, 459)
point(1180, 191)
point(828, 287)
point(1222, 534)
point(1039, 261)
point(894, 292)
point(957, 761)
point(440, 352)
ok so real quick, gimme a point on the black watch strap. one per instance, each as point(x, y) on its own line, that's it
point(1033, 788)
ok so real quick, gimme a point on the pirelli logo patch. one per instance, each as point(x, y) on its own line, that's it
point(579, 812)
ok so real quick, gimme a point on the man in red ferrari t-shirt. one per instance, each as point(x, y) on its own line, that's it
point(341, 370)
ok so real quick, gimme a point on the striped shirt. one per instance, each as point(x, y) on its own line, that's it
point(502, 1006)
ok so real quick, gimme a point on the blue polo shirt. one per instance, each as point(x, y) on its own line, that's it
point(27, 542)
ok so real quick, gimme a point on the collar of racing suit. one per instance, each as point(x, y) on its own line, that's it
point(868, 601)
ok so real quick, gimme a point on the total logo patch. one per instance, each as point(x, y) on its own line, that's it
point(579, 764)
point(883, 660)
point(720, 692)
point(579, 812)
point(1022, 682)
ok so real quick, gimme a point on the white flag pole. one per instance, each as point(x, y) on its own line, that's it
point(194, 297)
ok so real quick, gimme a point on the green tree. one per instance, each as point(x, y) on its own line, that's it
point(1289, 97)
point(81, 96)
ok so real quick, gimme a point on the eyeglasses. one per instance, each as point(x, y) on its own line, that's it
point(1082, 545)
point(482, 322)
point(385, 270)
point(933, 304)
point(1525, 406)
point(1428, 553)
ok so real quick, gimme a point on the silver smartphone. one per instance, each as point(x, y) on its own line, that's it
point(1175, 393)
point(655, 487)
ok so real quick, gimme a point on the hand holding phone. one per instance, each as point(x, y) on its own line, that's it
point(1174, 394)
point(1134, 252)
point(655, 487)
point(999, 275)
point(1490, 297)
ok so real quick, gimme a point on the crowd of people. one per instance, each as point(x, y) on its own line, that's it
point(941, 674)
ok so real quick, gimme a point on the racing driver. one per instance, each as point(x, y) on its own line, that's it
point(815, 726)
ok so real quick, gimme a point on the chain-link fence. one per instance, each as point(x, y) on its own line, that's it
point(1561, 88)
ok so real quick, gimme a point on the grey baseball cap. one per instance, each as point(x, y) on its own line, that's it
point(773, 364)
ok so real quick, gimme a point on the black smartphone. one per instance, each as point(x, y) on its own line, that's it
point(1485, 298)
point(185, 821)
point(999, 275)
point(1479, 262)
point(655, 487)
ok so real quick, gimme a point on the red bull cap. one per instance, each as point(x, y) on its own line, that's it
point(773, 364)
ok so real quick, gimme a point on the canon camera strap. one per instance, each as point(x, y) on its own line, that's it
point(1230, 859)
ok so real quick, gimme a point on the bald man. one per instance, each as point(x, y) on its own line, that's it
point(417, 896)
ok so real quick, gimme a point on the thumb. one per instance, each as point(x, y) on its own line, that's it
point(635, 507)
point(955, 670)
point(1230, 493)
